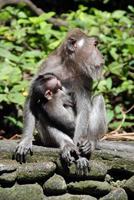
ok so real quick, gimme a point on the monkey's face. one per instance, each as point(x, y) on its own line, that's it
point(83, 51)
point(53, 84)
point(90, 59)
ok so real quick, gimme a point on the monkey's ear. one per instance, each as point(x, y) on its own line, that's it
point(48, 94)
point(71, 44)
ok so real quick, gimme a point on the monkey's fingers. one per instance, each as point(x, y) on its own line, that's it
point(31, 152)
point(85, 148)
point(75, 154)
point(66, 157)
point(25, 153)
point(83, 143)
point(21, 152)
point(16, 155)
point(82, 166)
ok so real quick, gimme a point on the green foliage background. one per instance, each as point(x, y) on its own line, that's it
point(25, 40)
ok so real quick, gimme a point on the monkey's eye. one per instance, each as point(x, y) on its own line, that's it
point(96, 42)
point(71, 44)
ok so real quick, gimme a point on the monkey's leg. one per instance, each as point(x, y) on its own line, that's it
point(97, 126)
point(85, 147)
point(83, 107)
point(69, 152)
point(25, 145)
point(80, 139)
point(98, 116)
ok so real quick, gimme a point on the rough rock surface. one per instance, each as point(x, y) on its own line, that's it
point(55, 185)
point(98, 171)
point(33, 172)
point(117, 194)
point(8, 178)
point(44, 177)
point(129, 186)
point(72, 197)
point(22, 192)
point(94, 188)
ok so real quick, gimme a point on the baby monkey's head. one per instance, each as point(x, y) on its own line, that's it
point(46, 86)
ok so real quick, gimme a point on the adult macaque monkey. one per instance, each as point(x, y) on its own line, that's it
point(77, 61)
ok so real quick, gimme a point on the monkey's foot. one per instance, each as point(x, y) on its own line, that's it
point(22, 150)
point(82, 166)
point(85, 148)
point(69, 154)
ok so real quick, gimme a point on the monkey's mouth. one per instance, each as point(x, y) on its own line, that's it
point(99, 65)
point(94, 71)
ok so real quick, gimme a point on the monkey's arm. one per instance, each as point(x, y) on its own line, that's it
point(62, 118)
point(25, 145)
point(69, 151)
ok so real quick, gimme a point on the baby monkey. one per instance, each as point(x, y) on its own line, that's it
point(51, 100)
point(54, 107)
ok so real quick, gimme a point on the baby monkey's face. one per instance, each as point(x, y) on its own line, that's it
point(53, 88)
point(53, 84)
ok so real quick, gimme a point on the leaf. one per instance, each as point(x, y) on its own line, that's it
point(131, 8)
point(10, 74)
point(17, 98)
point(53, 45)
point(110, 115)
point(118, 14)
point(31, 54)
point(15, 76)
point(115, 124)
point(22, 15)
point(11, 119)
point(118, 109)
point(102, 85)
point(22, 86)
point(6, 54)
point(115, 68)
point(41, 18)
point(3, 97)
point(113, 53)
point(131, 48)
point(109, 83)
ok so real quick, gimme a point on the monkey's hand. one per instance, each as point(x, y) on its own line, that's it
point(85, 147)
point(69, 154)
point(82, 166)
point(22, 149)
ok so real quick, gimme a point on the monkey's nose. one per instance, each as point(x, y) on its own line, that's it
point(98, 65)
point(101, 63)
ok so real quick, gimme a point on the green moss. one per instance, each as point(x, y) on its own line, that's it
point(55, 185)
point(95, 188)
point(118, 194)
point(8, 178)
point(22, 192)
point(32, 172)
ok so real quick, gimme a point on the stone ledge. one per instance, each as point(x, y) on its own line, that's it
point(110, 176)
